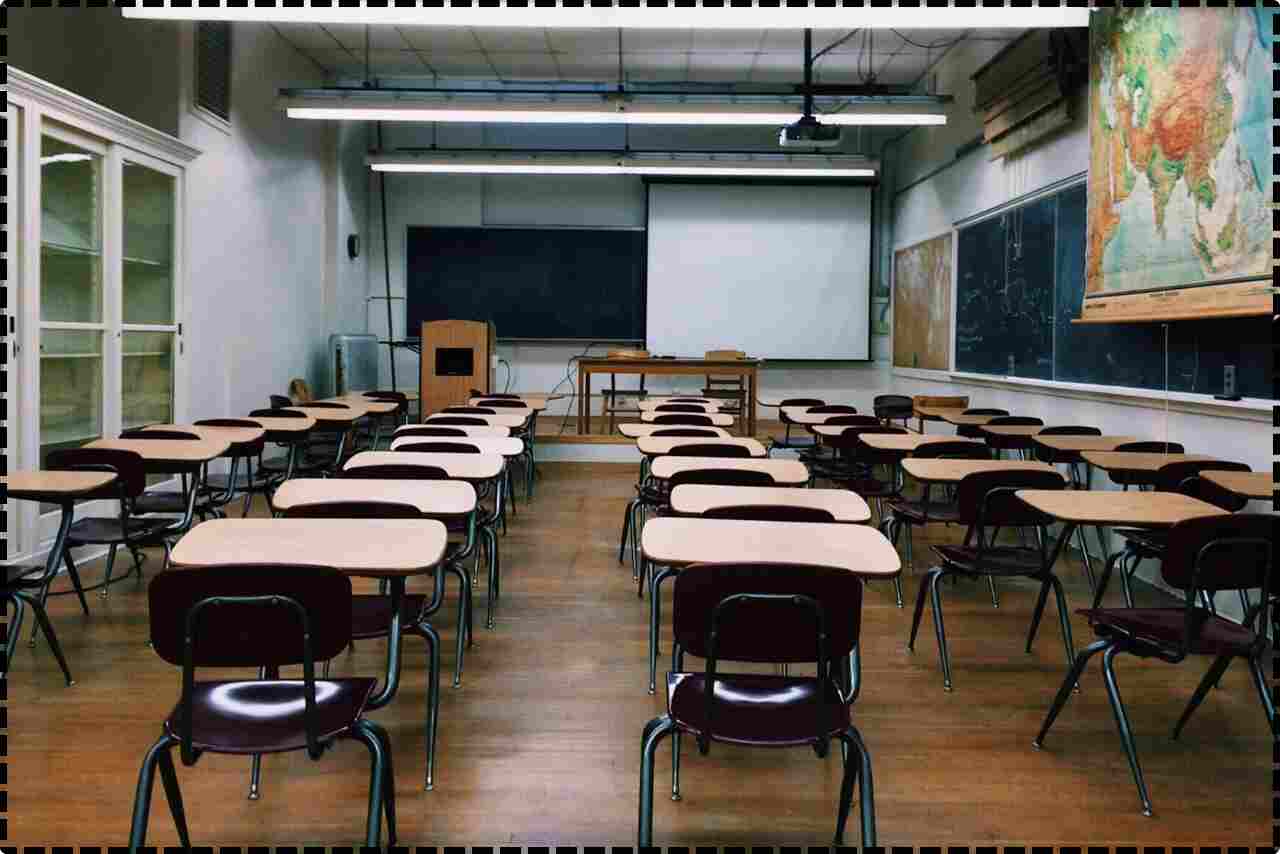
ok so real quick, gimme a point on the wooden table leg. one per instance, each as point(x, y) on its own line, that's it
point(751, 403)
point(582, 429)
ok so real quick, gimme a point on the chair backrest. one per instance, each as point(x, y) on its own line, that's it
point(686, 432)
point(1071, 430)
point(710, 449)
point(852, 421)
point(128, 466)
point(354, 510)
point(678, 407)
point(986, 499)
point(802, 401)
point(501, 403)
point(847, 442)
point(237, 635)
point(793, 634)
point(430, 431)
point(683, 418)
point(468, 410)
point(178, 435)
point(892, 406)
point(721, 477)
point(279, 401)
point(1227, 552)
point(1184, 477)
point(1015, 421)
point(458, 421)
point(1151, 447)
point(688, 400)
point(952, 450)
point(439, 448)
point(986, 411)
point(320, 404)
point(392, 471)
point(771, 513)
point(475, 392)
point(378, 394)
point(251, 449)
point(276, 413)
point(834, 408)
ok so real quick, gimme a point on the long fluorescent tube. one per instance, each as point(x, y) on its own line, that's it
point(668, 18)
point(611, 113)
point(486, 163)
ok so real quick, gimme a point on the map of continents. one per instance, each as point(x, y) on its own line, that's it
point(1179, 138)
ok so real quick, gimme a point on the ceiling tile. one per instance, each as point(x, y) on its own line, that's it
point(473, 64)
point(738, 41)
point(771, 67)
point(660, 62)
point(583, 42)
point(600, 66)
point(785, 40)
point(306, 36)
point(380, 37)
point(445, 39)
point(656, 41)
point(528, 66)
point(513, 41)
point(333, 59)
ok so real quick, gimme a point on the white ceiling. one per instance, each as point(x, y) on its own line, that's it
point(647, 56)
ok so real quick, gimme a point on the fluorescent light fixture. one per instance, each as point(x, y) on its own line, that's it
point(610, 112)
point(515, 163)
point(64, 158)
point(668, 18)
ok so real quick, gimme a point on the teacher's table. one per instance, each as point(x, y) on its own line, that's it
point(748, 369)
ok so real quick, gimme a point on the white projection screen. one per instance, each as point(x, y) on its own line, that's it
point(780, 272)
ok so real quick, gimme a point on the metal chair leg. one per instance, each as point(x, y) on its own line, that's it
point(432, 638)
point(1064, 692)
point(851, 765)
point(940, 630)
point(1264, 693)
point(675, 765)
point(377, 775)
point(626, 529)
point(42, 620)
point(919, 610)
point(1219, 666)
point(173, 794)
point(142, 794)
point(654, 732)
point(1122, 723)
point(866, 791)
point(1087, 558)
point(14, 630)
point(995, 594)
point(111, 562)
point(1041, 600)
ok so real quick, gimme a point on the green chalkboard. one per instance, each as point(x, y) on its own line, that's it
point(1020, 283)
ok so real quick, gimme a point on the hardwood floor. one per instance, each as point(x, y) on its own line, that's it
point(541, 744)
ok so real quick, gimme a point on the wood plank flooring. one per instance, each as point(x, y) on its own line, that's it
point(541, 744)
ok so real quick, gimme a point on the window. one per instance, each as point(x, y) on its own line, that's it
point(213, 68)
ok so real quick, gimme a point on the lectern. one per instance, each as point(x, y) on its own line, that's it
point(457, 356)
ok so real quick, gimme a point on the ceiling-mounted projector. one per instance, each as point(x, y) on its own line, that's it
point(809, 133)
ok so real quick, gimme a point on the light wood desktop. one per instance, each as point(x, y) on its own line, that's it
point(479, 430)
point(470, 467)
point(1127, 461)
point(954, 471)
point(507, 447)
point(182, 452)
point(433, 497)
point(1083, 443)
point(783, 472)
point(718, 419)
point(695, 499)
point(903, 443)
point(634, 430)
point(656, 446)
point(1255, 485)
point(511, 421)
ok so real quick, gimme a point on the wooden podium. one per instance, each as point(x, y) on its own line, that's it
point(457, 356)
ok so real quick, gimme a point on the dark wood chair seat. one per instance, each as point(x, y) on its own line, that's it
point(919, 511)
point(252, 717)
point(993, 560)
point(1161, 630)
point(757, 710)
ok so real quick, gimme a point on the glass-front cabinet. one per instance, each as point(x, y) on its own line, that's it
point(95, 252)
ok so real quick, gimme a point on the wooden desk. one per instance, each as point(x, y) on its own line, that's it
point(54, 487)
point(430, 497)
point(1137, 463)
point(1011, 430)
point(1254, 485)
point(333, 419)
point(470, 429)
point(706, 403)
point(634, 430)
point(937, 412)
point(783, 472)
point(510, 421)
point(164, 456)
point(470, 467)
point(899, 443)
point(370, 405)
point(507, 447)
point(958, 418)
point(954, 471)
point(748, 369)
point(1083, 443)
point(656, 446)
point(284, 429)
point(393, 549)
point(718, 419)
point(1105, 508)
point(234, 435)
point(800, 415)
point(531, 404)
point(695, 499)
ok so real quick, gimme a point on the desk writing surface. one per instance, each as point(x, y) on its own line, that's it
point(718, 419)
point(783, 472)
point(1083, 443)
point(1138, 462)
point(234, 435)
point(800, 415)
point(344, 417)
point(696, 498)
point(654, 402)
point(937, 413)
point(1112, 507)
point(168, 450)
point(905, 443)
point(444, 497)
point(634, 430)
point(526, 408)
point(377, 547)
point(958, 418)
point(370, 405)
point(469, 429)
point(511, 421)
point(507, 447)
point(283, 425)
point(1256, 485)
point(54, 485)
point(473, 467)
point(653, 446)
point(954, 471)
point(1011, 429)
point(859, 549)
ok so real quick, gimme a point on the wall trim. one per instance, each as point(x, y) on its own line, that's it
point(92, 116)
point(923, 374)
point(1249, 409)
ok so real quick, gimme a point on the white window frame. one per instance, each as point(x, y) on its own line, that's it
point(46, 109)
